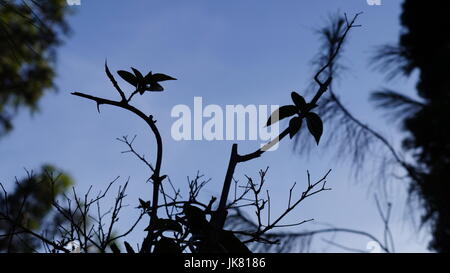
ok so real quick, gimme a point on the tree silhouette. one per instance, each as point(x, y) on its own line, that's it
point(352, 140)
point(192, 225)
point(30, 31)
point(424, 46)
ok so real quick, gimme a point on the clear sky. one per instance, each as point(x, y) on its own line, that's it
point(227, 52)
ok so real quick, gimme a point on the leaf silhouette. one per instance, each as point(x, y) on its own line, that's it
point(138, 74)
point(147, 83)
point(315, 126)
point(167, 245)
point(154, 87)
point(231, 243)
point(159, 77)
point(294, 126)
point(282, 112)
point(299, 101)
point(128, 247)
point(129, 77)
point(164, 225)
point(148, 77)
point(143, 204)
point(114, 248)
point(196, 219)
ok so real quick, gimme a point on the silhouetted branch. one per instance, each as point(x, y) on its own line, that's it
point(156, 177)
point(187, 219)
point(125, 140)
point(235, 158)
point(260, 229)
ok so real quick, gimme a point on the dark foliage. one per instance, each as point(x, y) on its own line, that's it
point(29, 207)
point(176, 225)
point(425, 46)
point(30, 31)
point(197, 226)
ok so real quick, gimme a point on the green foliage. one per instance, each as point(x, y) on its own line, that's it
point(30, 206)
point(29, 34)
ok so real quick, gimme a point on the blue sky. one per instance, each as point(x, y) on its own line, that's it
point(227, 52)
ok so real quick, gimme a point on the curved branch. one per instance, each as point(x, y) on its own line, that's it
point(156, 176)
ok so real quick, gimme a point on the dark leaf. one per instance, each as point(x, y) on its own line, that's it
point(114, 248)
point(196, 218)
point(281, 113)
point(143, 204)
point(138, 74)
point(129, 77)
point(231, 243)
point(164, 225)
point(315, 126)
point(159, 77)
point(148, 77)
point(128, 247)
point(154, 87)
point(294, 126)
point(299, 101)
point(167, 245)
